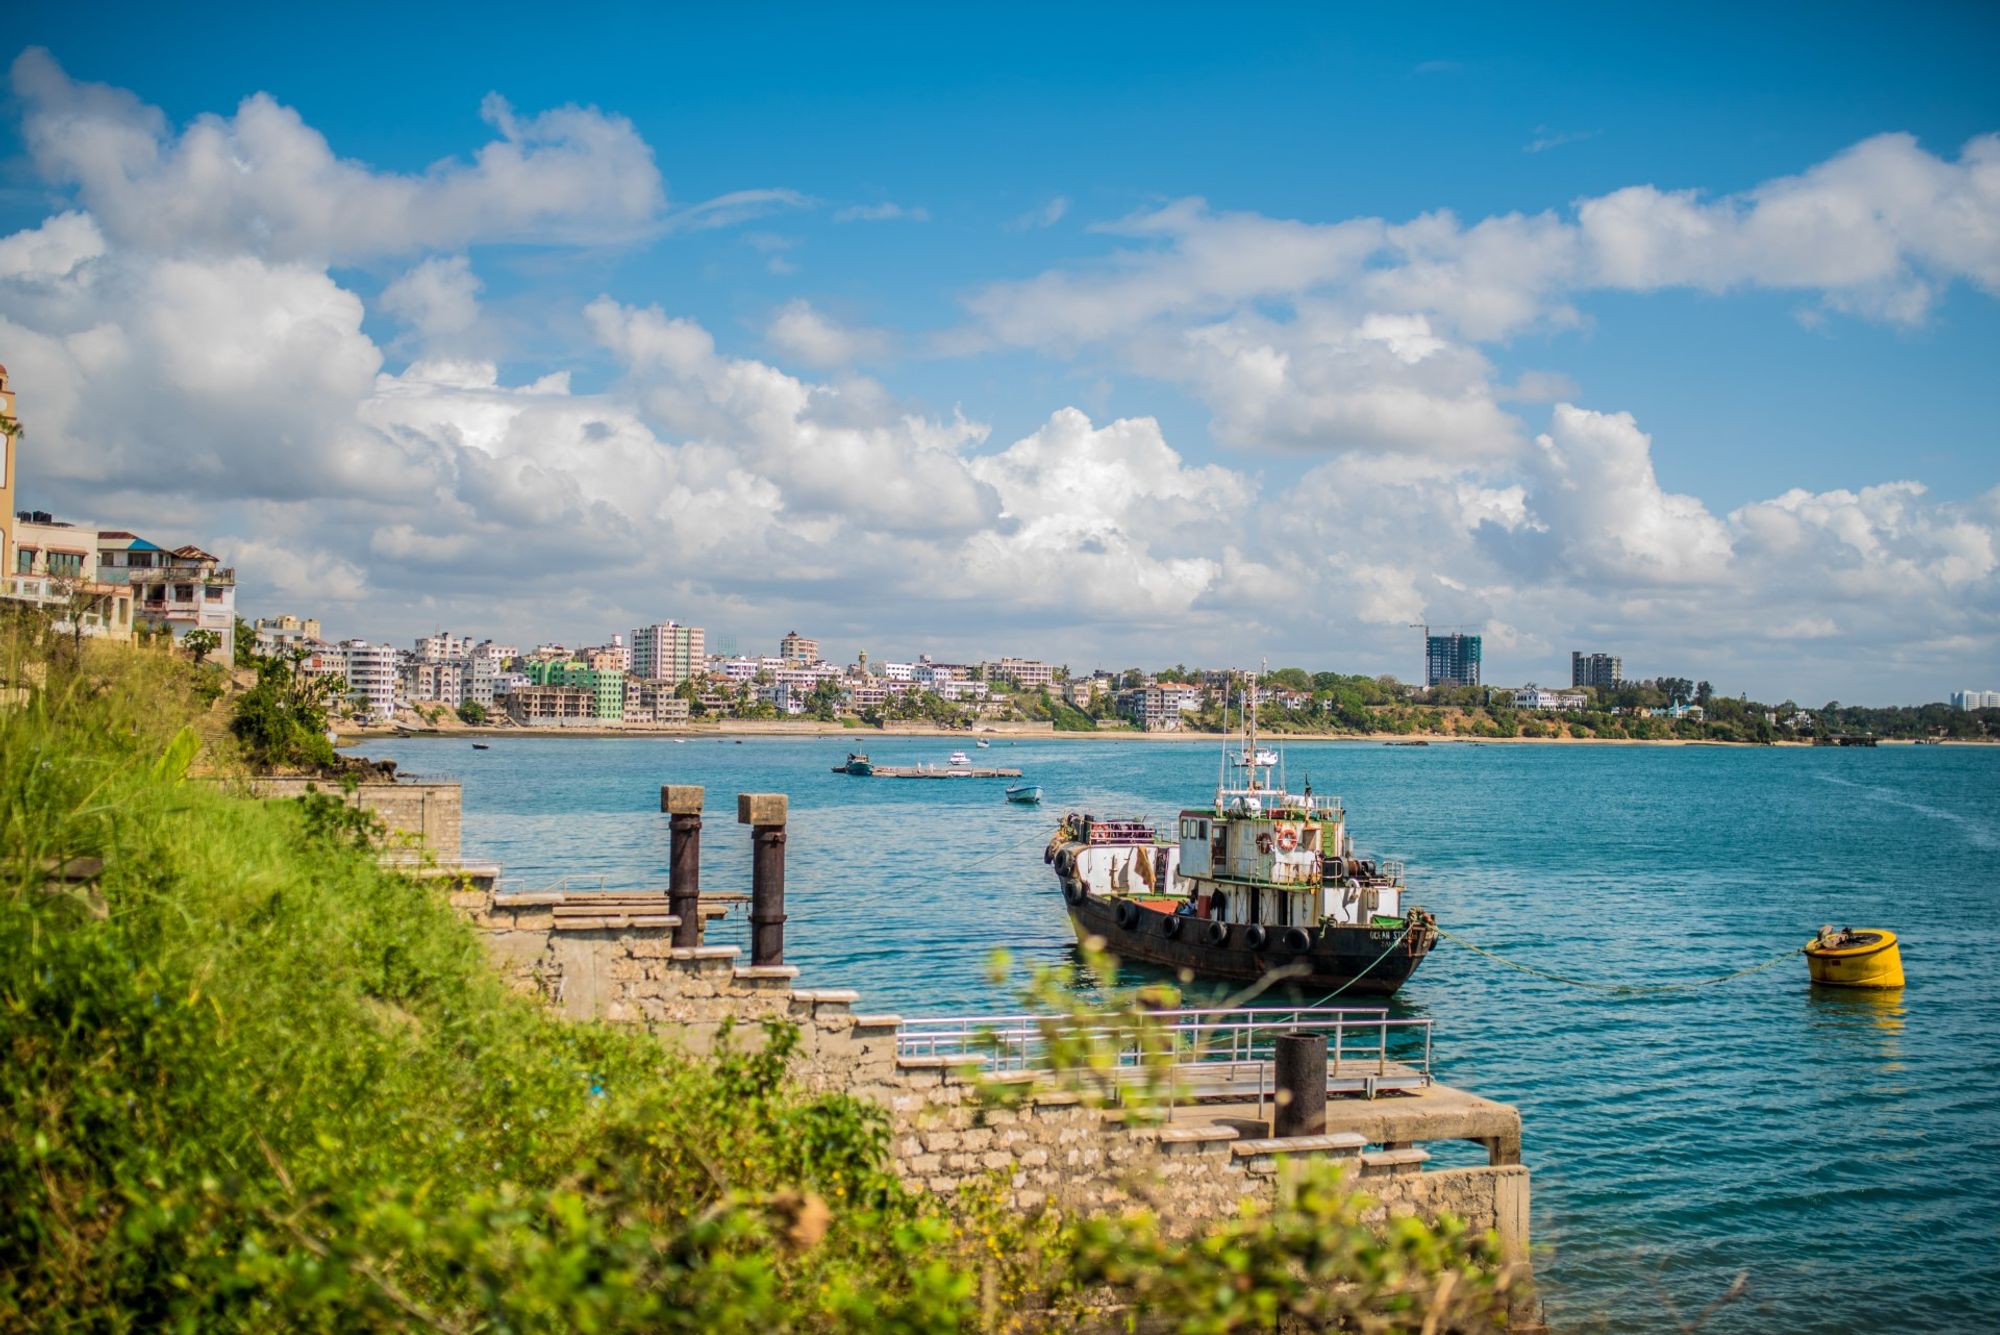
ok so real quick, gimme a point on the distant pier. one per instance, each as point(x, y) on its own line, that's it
point(934, 772)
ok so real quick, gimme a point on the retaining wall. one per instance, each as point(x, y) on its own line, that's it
point(1051, 1149)
point(427, 813)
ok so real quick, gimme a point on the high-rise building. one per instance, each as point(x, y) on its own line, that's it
point(668, 652)
point(796, 648)
point(1603, 671)
point(1451, 660)
point(1970, 700)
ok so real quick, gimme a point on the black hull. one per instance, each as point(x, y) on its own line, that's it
point(1360, 961)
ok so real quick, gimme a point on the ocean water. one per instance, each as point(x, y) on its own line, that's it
point(1840, 1151)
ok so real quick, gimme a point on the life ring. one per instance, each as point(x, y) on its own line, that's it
point(1073, 891)
point(1254, 936)
point(1127, 913)
point(1217, 933)
point(1298, 940)
point(1170, 925)
point(1288, 839)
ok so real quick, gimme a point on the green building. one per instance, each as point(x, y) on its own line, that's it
point(608, 686)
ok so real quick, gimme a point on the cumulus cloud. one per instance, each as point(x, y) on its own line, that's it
point(264, 183)
point(1598, 491)
point(806, 335)
point(188, 359)
point(438, 297)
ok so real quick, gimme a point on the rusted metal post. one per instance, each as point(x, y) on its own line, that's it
point(682, 803)
point(1299, 1073)
point(764, 813)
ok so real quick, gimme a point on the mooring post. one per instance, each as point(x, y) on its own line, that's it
point(1299, 1075)
point(682, 803)
point(764, 813)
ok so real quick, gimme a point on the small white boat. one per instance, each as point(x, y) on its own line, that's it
point(982, 743)
point(960, 758)
point(1027, 794)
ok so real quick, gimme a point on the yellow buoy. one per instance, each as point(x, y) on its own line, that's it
point(1850, 958)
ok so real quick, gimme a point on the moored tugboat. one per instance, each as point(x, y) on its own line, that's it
point(1261, 881)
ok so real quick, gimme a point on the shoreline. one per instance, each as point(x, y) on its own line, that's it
point(749, 730)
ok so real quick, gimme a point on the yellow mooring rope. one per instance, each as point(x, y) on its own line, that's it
point(1622, 989)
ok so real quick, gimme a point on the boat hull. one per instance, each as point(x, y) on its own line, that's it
point(1361, 961)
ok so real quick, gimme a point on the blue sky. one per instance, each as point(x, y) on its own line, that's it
point(1033, 158)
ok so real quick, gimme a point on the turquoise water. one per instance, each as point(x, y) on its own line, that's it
point(1842, 1150)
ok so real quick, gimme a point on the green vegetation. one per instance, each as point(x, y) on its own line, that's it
point(251, 1080)
point(472, 712)
point(281, 721)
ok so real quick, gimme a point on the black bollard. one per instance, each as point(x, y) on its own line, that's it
point(682, 803)
point(764, 813)
point(1299, 1075)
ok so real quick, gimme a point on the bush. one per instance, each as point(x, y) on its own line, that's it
point(255, 1081)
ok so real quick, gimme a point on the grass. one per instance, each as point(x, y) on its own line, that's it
point(251, 1080)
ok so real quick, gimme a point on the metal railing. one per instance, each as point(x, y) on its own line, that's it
point(1205, 1048)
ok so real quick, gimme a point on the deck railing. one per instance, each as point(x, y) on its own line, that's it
point(1204, 1048)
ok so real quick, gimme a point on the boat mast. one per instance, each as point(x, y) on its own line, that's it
point(1251, 731)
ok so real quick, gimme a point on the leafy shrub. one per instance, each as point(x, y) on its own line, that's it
point(255, 1081)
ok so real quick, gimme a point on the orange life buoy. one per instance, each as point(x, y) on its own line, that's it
point(1288, 838)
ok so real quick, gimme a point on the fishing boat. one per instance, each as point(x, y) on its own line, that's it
point(1259, 881)
point(982, 743)
point(1027, 794)
point(482, 746)
point(856, 764)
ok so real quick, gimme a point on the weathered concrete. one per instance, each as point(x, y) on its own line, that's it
point(423, 818)
point(1049, 1148)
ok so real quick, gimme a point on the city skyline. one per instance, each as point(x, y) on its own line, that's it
point(1197, 368)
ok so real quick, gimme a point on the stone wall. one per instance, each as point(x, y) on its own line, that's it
point(613, 958)
point(425, 814)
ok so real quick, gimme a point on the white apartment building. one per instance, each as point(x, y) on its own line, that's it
point(668, 652)
point(56, 567)
point(1028, 673)
point(1970, 700)
point(371, 675)
point(1541, 697)
point(898, 672)
point(443, 645)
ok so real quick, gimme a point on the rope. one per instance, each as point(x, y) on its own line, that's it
point(1040, 836)
point(1622, 989)
point(1364, 973)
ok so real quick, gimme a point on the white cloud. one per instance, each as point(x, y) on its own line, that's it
point(1599, 493)
point(188, 360)
point(438, 297)
point(883, 212)
point(809, 336)
point(1048, 215)
point(738, 206)
point(263, 182)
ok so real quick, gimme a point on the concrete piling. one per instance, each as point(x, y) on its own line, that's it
point(764, 813)
point(1299, 1076)
point(682, 803)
